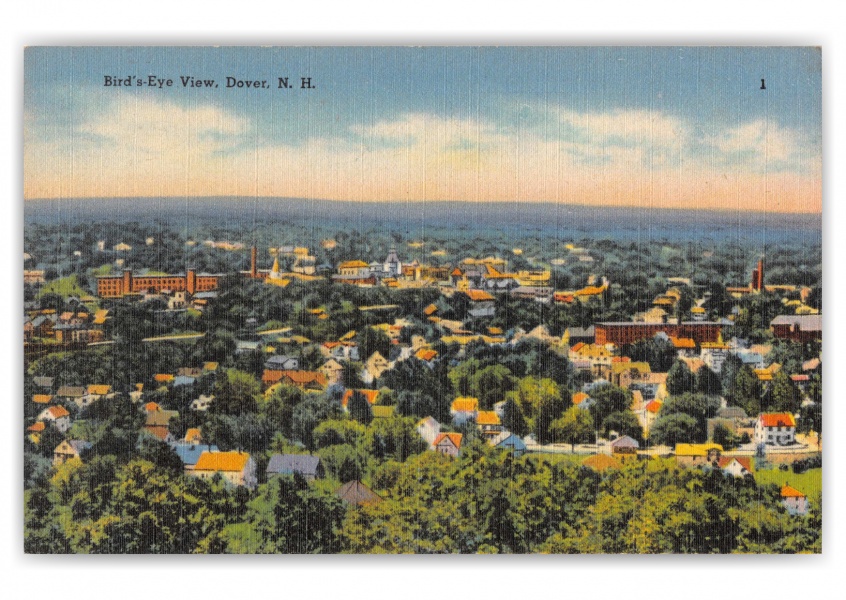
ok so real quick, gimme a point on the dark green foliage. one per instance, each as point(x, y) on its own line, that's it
point(659, 352)
point(359, 408)
point(512, 418)
point(624, 423)
point(708, 382)
point(679, 379)
point(674, 429)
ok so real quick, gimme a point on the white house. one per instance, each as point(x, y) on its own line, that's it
point(794, 501)
point(58, 415)
point(202, 403)
point(775, 429)
point(238, 468)
point(429, 429)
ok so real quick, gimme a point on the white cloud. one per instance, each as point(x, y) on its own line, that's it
point(153, 147)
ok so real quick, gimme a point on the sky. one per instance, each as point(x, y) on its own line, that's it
point(630, 126)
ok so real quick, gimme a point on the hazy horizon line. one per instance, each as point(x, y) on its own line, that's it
point(437, 201)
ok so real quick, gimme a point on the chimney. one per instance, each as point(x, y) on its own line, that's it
point(253, 267)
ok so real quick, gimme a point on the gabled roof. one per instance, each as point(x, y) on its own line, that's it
point(452, 438)
point(36, 427)
point(465, 404)
point(579, 397)
point(426, 354)
point(487, 417)
point(776, 420)
point(654, 406)
point(625, 442)
point(430, 421)
point(791, 492)
point(222, 461)
point(42, 398)
point(305, 464)
point(163, 377)
point(355, 492)
point(57, 412)
point(507, 439)
point(99, 390)
point(189, 453)
point(193, 435)
point(744, 462)
point(478, 296)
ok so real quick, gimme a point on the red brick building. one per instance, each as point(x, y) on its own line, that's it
point(799, 328)
point(191, 282)
point(629, 332)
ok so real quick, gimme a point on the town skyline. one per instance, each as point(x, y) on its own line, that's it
point(642, 127)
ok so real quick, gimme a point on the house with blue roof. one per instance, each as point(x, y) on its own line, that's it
point(509, 441)
point(190, 453)
point(287, 464)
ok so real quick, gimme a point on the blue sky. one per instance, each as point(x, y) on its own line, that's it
point(630, 125)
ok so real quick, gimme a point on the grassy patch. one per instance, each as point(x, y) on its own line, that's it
point(66, 286)
point(809, 482)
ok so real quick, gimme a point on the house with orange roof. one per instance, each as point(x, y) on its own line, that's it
point(648, 415)
point(430, 310)
point(794, 501)
point(463, 409)
point(583, 400)
point(775, 429)
point(42, 398)
point(448, 443)
point(238, 468)
point(305, 380)
point(34, 431)
point(193, 436)
point(58, 416)
point(427, 355)
point(488, 422)
point(163, 378)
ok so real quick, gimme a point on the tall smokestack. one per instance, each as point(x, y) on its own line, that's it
point(760, 285)
point(253, 266)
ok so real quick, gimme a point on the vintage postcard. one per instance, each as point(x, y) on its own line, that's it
point(422, 300)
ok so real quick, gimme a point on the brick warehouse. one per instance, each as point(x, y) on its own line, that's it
point(191, 282)
point(629, 332)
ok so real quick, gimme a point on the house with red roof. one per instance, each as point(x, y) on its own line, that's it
point(736, 466)
point(775, 429)
point(794, 501)
point(448, 443)
point(58, 415)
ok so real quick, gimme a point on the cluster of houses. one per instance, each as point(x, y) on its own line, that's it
point(595, 353)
